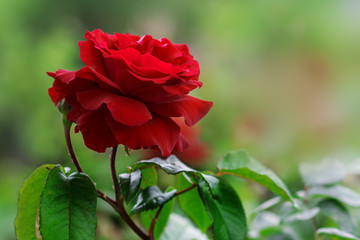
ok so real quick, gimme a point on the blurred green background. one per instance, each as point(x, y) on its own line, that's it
point(283, 76)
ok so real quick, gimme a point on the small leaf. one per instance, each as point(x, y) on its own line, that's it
point(303, 215)
point(171, 165)
point(147, 217)
point(180, 228)
point(25, 222)
point(191, 204)
point(336, 211)
point(67, 207)
point(263, 221)
point(240, 164)
point(337, 192)
point(323, 173)
point(336, 233)
point(267, 204)
point(130, 184)
point(150, 198)
point(148, 177)
point(224, 207)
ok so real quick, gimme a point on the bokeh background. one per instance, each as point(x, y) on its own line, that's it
point(283, 76)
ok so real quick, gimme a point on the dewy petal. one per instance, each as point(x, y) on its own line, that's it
point(125, 110)
point(95, 130)
point(191, 108)
point(159, 132)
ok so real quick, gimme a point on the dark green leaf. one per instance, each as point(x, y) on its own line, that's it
point(335, 233)
point(67, 207)
point(147, 217)
point(150, 198)
point(224, 207)
point(171, 165)
point(323, 173)
point(191, 204)
point(148, 177)
point(337, 212)
point(337, 192)
point(180, 228)
point(240, 164)
point(25, 222)
point(130, 184)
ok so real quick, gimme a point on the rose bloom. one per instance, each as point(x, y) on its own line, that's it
point(197, 152)
point(129, 91)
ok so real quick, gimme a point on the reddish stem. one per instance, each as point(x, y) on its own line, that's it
point(71, 149)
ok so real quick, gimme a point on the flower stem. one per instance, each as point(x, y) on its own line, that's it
point(119, 202)
point(71, 149)
point(152, 225)
point(114, 174)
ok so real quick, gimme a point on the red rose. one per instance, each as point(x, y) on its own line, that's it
point(129, 91)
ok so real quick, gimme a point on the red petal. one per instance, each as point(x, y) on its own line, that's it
point(124, 110)
point(182, 88)
point(191, 108)
point(95, 130)
point(91, 56)
point(159, 132)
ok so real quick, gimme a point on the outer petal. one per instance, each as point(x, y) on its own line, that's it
point(95, 130)
point(91, 56)
point(191, 108)
point(159, 132)
point(182, 88)
point(124, 110)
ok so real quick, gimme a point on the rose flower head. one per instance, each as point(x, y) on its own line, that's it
point(129, 91)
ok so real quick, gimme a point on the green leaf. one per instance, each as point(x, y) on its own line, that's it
point(337, 192)
point(304, 215)
point(150, 198)
point(180, 228)
point(240, 164)
point(336, 211)
point(148, 177)
point(171, 165)
point(322, 173)
point(67, 207)
point(191, 204)
point(263, 221)
point(25, 222)
point(224, 207)
point(146, 217)
point(335, 233)
point(130, 185)
point(267, 204)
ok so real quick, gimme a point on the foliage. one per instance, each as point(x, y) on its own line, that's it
point(65, 206)
point(325, 208)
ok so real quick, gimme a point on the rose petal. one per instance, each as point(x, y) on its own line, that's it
point(95, 130)
point(159, 132)
point(182, 88)
point(124, 110)
point(191, 108)
point(166, 51)
point(91, 56)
